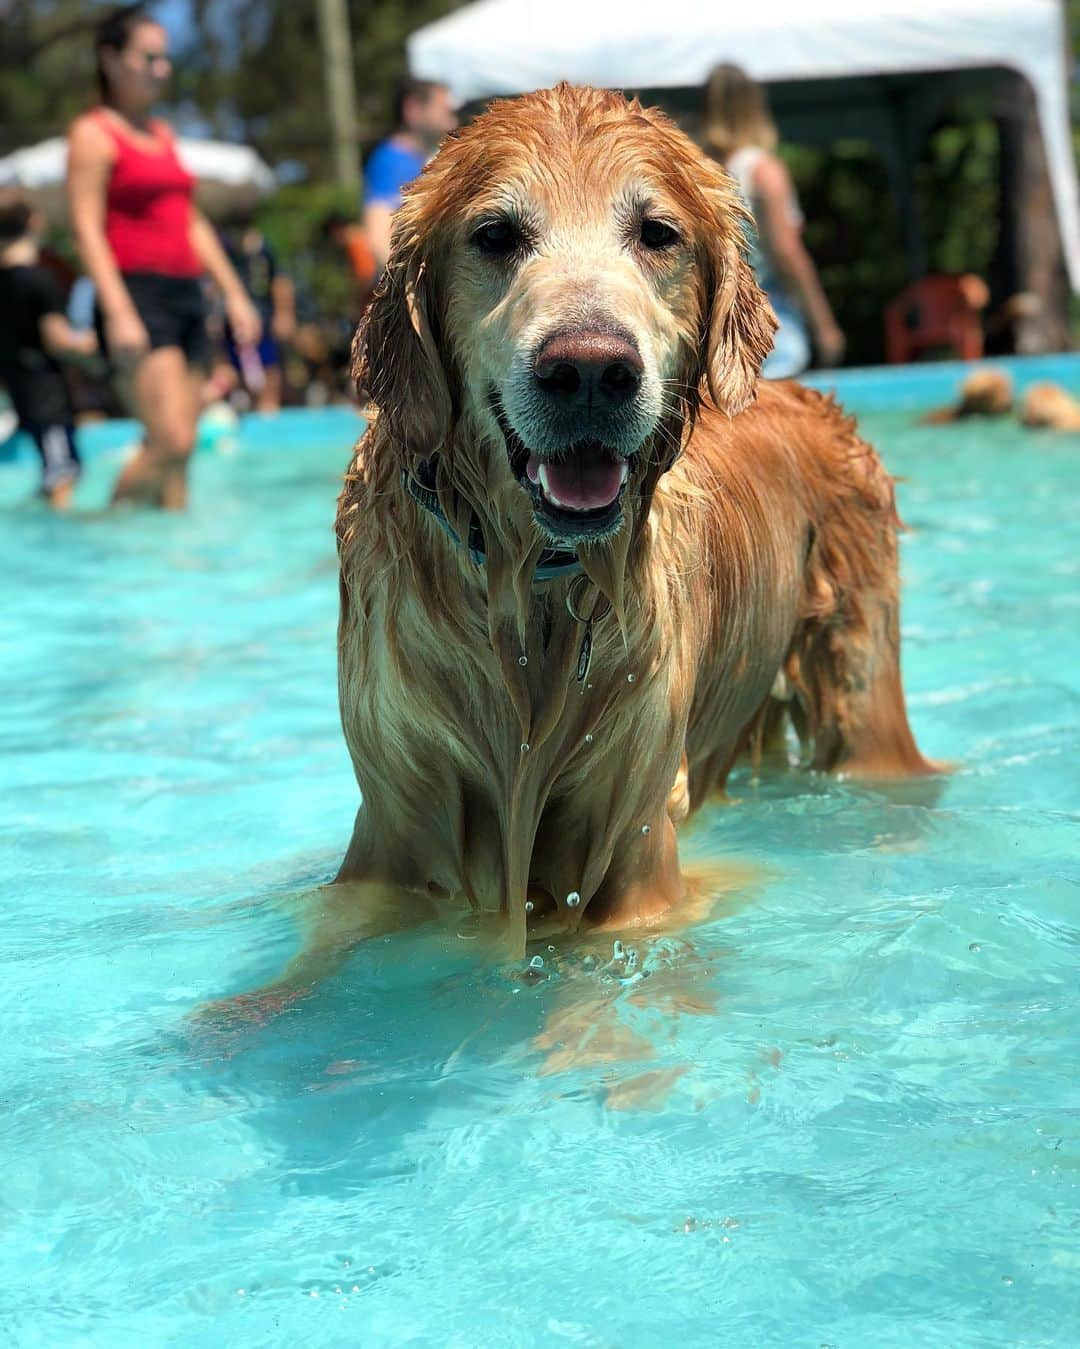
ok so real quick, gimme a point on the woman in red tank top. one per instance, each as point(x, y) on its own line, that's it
point(146, 247)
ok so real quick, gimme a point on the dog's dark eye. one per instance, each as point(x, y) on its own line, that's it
point(656, 235)
point(497, 238)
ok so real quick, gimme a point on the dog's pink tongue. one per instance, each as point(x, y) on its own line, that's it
point(580, 482)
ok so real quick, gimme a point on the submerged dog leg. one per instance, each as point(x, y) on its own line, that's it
point(334, 920)
point(620, 1017)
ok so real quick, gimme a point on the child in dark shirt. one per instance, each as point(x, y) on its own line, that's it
point(272, 293)
point(34, 337)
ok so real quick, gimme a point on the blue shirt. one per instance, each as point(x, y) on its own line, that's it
point(390, 166)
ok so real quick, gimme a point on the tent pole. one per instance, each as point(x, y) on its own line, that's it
point(903, 151)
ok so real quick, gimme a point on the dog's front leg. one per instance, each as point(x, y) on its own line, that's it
point(333, 919)
point(643, 881)
point(678, 802)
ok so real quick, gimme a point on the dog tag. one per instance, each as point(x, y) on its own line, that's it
point(600, 609)
point(584, 659)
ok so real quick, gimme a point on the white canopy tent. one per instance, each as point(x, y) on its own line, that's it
point(509, 46)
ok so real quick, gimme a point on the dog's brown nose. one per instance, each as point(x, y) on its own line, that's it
point(588, 367)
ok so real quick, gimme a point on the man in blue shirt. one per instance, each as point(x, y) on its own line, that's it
point(424, 115)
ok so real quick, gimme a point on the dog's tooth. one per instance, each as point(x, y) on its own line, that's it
point(552, 496)
point(545, 487)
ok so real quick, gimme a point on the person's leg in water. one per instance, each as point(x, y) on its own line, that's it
point(61, 496)
point(167, 396)
point(60, 467)
point(268, 398)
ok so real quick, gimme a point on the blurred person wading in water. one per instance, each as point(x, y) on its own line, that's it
point(146, 248)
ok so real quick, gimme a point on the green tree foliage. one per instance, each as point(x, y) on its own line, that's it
point(292, 221)
point(855, 234)
point(258, 69)
point(250, 70)
point(46, 67)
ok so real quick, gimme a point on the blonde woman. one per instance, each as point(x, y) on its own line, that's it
point(741, 134)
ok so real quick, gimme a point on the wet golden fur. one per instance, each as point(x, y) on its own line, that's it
point(1048, 405)
point(753, 580)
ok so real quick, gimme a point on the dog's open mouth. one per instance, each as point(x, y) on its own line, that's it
point(576, 494)
point(588, 478)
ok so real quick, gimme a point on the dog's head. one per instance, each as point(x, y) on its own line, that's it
point(568, 277)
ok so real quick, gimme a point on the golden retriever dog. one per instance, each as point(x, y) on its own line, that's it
point(984, 393)
point(587, 560)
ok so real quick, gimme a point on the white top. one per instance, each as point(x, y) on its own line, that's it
point(741, 166)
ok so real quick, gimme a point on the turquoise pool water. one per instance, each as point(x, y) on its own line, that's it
point(863, 1119)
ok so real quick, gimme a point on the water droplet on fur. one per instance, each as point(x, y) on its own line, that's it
point(529, 906)
point(573, 899)
point(630, 678)
point(588, 686)
point(645, 829)
point(524, 747)
point(523, 660)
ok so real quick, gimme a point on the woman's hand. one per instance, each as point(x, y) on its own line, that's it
point(243, 320)
point(283, 327)
point(831, 343)
point(126, 337)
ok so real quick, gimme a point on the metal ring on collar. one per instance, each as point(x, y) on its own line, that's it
point(575, 593)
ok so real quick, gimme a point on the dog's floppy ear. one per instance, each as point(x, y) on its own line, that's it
point(739, 321)
point(397, 363)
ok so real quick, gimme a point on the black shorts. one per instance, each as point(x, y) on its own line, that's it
point(173, 311)
point(59, 457)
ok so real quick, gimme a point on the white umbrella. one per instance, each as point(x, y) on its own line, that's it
point(229, 177)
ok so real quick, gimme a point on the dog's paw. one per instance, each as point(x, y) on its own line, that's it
point(248, 1009)
point(645, 1091)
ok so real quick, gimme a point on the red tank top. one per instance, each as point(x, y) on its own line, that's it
point(148, 206)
